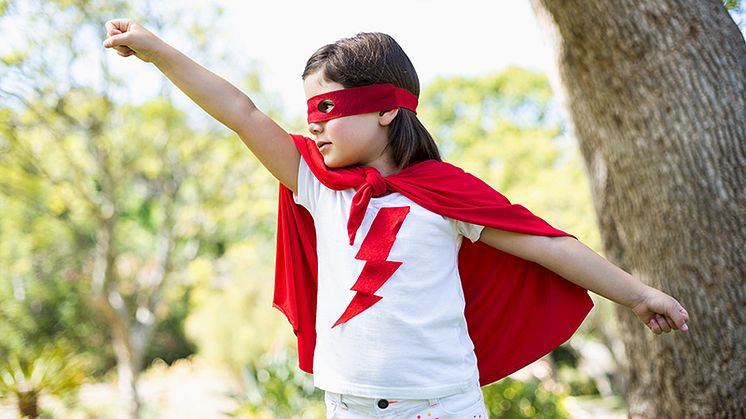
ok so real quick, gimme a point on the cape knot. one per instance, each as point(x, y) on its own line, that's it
point(377, 183)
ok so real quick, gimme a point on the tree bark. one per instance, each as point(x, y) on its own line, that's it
point(109, 302)
point(656, 94)
point(129, 366)
point(28, 404)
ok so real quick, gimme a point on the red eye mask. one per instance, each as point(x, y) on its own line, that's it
point(357, 100)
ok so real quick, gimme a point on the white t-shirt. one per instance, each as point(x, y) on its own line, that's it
point(413, 343)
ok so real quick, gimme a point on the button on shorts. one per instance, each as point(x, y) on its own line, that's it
point(465, 405)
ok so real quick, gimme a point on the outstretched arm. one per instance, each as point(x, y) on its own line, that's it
point(579, 264)
point(268, 141)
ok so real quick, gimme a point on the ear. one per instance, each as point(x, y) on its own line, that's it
point(385, 117)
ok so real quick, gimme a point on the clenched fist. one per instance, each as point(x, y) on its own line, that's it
point(128, 37)
point(660, 312)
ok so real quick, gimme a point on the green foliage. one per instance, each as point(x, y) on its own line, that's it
point(276, 388)
point(232, 319)
point(13, 58)
point(505, 129)
point(76, 164)
point(510, 398)
point(41, 300)
point(169, 341)
point(579, 384)
point(55, 196)
point(52, 370)
point(731, 4)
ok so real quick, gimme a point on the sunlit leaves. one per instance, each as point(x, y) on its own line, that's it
point(13, 58)
point(505, 129)
point(731, 4)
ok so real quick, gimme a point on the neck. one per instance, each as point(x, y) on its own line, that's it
point(384, 166)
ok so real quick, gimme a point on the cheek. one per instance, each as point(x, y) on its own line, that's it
point(358, 137)
point(339, 129)
point(358, 128)
point(345, 134)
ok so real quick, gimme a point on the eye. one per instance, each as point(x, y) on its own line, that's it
point(326, 106)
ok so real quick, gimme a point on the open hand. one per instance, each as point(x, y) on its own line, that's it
point(128, 37)
point(660, 312)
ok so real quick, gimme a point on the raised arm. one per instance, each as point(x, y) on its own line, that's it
point(579, 264)
point(268, 141)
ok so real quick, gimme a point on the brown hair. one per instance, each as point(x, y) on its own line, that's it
point(376, 58)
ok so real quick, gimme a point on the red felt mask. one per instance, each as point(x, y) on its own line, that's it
point(358, 100)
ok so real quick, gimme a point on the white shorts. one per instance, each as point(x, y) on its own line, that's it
point(466, 405)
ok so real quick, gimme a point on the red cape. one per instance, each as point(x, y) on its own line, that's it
point(516, 310)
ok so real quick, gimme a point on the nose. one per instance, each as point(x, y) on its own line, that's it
point(315, 128)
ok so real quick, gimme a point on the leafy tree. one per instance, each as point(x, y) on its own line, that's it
point(505, 129)
point(232, 321)
point(118, 198)
point(51, 370)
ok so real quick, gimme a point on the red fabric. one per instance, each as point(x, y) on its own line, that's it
point(516, 310)
point(375, 251)
point(358, 100)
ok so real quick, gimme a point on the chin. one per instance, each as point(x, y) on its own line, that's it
point(329, 162)
point(333, 163)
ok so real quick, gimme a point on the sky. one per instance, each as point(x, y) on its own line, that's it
point(441, 38)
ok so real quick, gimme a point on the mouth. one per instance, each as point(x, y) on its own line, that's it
point(323, 145)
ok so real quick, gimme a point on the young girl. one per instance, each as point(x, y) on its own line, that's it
point(395, 315)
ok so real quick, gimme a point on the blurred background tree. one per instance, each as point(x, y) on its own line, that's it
point(108, 201)
point(49, 370)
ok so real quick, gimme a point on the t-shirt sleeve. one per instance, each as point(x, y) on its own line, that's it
point(468, 230)
point(309, 188)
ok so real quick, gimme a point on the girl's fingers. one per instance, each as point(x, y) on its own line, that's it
point(117, 35)
point(663, 323)
point(684, 313)
point(120, 25)
point(666, 322)
point(685, 318)
point(679, 317)
point(658, 326)
point(654, 326)
point(666, 314)
point(123, 50)
point(115, 40)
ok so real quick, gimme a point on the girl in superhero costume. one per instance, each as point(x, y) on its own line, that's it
point(407, 281)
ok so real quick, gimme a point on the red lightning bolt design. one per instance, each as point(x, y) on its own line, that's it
point(375, 250)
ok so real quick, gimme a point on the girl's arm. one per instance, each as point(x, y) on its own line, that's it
point(579, 264)
point(268, 141)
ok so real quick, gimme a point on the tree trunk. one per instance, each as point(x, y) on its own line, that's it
point(28, 404)
point(129, 365)
point(109, 302)
point(656, 92)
